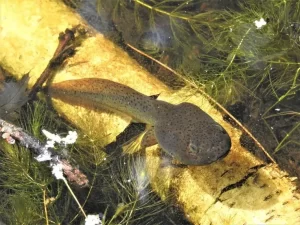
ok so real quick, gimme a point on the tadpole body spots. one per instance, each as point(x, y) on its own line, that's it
point(192, 136)
point(183, 131)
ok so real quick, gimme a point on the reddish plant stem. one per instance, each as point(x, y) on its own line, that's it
point(63, 50)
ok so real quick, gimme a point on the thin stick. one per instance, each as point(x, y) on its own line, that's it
point(209, 98)
point(24, 139)
point(75, 198)
point(45, 206)
point(58, 57)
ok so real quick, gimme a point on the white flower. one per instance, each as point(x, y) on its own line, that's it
point(260, 23)
point(53, 137)
point(57, 170)
point(70, 138)
point(50, 144)
point(93, 220)
point(45, 156)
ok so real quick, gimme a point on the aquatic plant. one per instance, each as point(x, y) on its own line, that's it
point(128, 189)
point(27, 186)
point(221, 48)
point(24, 181)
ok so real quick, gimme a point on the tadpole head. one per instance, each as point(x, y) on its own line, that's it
point(192, 136)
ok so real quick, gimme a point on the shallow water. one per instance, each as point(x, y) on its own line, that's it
point(252, 72)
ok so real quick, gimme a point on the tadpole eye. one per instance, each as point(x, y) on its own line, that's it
point(221, 129)
point(192, 149)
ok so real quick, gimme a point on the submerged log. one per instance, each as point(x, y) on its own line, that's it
point(240, 189)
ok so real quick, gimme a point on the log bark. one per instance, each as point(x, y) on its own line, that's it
point(239, 189)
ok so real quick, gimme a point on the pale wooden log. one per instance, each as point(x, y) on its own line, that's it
point(258, 195)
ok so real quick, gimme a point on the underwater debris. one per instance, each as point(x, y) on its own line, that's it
point(13, 95)
point(44, 153)
point(8, 138)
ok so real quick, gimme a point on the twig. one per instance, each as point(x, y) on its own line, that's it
point(12, 132)
point(75, 198)
point(24, 139)
point(63, 51)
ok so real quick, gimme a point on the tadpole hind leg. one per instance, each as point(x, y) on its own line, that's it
point(132, 130)
point(168, 160)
